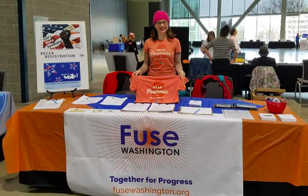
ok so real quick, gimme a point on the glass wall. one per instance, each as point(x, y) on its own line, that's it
point(263, 22)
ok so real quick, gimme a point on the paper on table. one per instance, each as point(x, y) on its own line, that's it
point(287, 118)
point(48, 104)
point(267, 117)
point(161, 107)
point(242, 114)
point(136, 107)
point(109, 100)
point(84, 100)
point(194, 110)
point(195, 103)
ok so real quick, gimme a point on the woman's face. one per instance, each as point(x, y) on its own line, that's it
point(211, 37)
point(235, 32)
point(162, 26)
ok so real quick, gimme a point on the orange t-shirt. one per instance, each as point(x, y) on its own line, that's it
point(161, 54)
point(154, 89)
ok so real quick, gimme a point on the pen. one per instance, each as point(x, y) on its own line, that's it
point(197, 111)
point(54, 100)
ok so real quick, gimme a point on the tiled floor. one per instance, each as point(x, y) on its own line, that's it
point(9, 184)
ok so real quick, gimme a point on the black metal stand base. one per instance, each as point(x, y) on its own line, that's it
point(51, 93)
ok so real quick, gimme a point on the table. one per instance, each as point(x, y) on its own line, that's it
point(274, 44)
point(268, 147)
point(7, 109)
point(249, 44)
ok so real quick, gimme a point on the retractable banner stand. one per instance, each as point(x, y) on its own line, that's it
point(147, 154)
point(61, 56)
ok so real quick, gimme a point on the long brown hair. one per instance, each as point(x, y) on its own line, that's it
point(208, 36)
point(170, 34)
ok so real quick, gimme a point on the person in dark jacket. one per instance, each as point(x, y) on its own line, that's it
point(131, 45)
point(264, 60)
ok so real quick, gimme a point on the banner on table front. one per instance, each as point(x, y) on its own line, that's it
point(61, 56)
point(117, 153)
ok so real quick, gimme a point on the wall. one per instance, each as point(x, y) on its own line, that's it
point(9, 47)
point(109, 19)
point(138, 17)
point(55, 10)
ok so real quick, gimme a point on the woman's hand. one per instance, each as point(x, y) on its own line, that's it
point(137, 73)
point(181, 74)
point(232, 61)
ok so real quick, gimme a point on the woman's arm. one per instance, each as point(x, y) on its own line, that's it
point(207, 52)
point(178, 65)
point(144, 68)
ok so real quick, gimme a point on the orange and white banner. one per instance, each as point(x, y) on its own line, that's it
point(120, 153)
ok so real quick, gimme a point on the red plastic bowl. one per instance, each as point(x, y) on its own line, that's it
point(276, 108)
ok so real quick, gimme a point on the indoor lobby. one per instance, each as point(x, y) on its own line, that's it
point(73, 123)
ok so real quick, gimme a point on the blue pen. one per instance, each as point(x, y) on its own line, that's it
point(54, 100)
point(197, 111)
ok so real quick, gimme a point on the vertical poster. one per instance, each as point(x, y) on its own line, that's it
point(61, 56)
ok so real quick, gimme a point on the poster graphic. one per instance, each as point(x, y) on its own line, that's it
point(61, 56)
point(61, 36)
point(65, 74)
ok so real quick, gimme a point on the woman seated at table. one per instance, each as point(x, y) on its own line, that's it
point(162, 52)
point(264, 60)
point(221, 58)
point(264, 74)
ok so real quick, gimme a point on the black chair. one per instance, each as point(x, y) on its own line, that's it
point(2, 80)
point(302, 82)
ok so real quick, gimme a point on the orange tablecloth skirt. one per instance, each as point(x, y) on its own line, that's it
point(272, 151)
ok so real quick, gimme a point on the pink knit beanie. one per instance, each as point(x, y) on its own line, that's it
point(160, 15)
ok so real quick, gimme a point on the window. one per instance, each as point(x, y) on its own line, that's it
point(264, 7)
point(213, 7)
point(238, 7)
point(291, 27)
point(276, 6)
point(226, 21)
point(250, 28)
point(226, 8)
point(248, 3)
point(183, 11)
point(194, 4)
point(206, 23)
point(304, 6)
point(213, 25)
point(275, 27)
point(263, 28)
point(240, 29)
point(193, 30)
point(293, 6)
point(184, 23)
point(204, 7)
point(175, 13)
point(175, 23)
point(303, 24)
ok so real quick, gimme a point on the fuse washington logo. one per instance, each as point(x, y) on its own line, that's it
point(136, 142)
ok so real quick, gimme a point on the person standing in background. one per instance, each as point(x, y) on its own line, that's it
point(131, 45)
point(210, 37)
point(221, 58)
point(233, 38)
point(297, 41)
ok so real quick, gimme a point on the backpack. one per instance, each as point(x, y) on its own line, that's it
point(212, 86)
